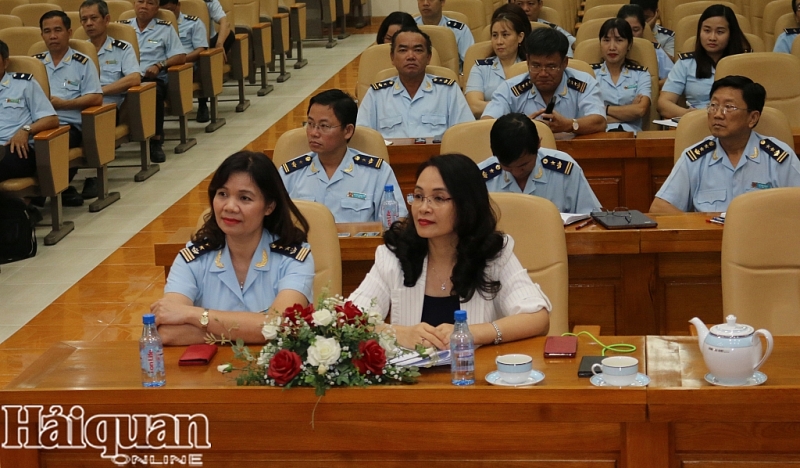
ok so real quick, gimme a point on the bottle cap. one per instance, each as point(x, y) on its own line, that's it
point(148, 319)
point(461, 315)
point(388, 188)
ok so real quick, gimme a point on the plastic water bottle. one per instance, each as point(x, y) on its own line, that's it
point(462, 351)
point(151, 353)
point(389, 210)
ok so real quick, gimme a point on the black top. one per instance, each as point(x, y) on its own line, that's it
point(439, 310)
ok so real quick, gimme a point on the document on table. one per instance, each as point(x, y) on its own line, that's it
point(433, 357)
point(569, 218)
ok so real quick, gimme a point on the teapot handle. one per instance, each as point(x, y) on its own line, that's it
point(768, 336)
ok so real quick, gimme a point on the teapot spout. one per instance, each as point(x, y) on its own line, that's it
point(702, 330)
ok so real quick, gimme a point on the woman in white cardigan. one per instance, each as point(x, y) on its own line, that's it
point(449, 256)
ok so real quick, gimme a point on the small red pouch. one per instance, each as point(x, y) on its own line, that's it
point(198, 355)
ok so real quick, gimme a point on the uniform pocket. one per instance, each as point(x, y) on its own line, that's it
point(709, 198)
point(433, 119)
point(391, 121)
point(356, 204)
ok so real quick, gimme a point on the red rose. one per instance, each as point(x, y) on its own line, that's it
point(284, 366)
point(297, 313)
point(373, 358)
point(351, 312)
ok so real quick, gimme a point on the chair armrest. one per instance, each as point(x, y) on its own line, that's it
point(52, 160)
point(180, 88)
point(239, 57)
point(99, 141)
point(262, 43)
point(298, 12)
point(210, 65)
point(139, 111)
point(280, 22)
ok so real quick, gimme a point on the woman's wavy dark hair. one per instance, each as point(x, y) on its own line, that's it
point(624, 30)
point(737, 41)
point(514, 15)
point(265, 176)
point(475, 225)
point(396, 17)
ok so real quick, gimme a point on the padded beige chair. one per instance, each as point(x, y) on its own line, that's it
point(7, 5)
point(52, 159)
point(20, 39)
point(756, 15)
point(693, 127)
point(238, 66)
point(472, 139)
point(756, 44)
point(541, 248)
point(375, 59)
point(444, 41)
point(281, 44)
point(247, 14)
point(68, 5)
point(297, 29)
point(117, 7)
point(761, 260)
point(697, 7)
point(595, 3)
point(771, 70)
point(553, 16)
point(472, 10)
point(568, 10)
point(32, 12)
point(602, 12)
point(589, 30)
point(770, 34)
point(10, 21)
point(294, 143)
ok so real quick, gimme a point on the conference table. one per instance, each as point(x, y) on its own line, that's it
point(563, 421)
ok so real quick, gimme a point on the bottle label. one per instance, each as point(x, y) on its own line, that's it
point(152, 359)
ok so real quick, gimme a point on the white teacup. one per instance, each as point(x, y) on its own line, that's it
point(514, 368)
point(618, 371)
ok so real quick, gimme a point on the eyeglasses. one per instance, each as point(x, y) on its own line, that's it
point(323, 128)
point(416, 199)
point(726, 109)
point(621, 211)
point(535, 69)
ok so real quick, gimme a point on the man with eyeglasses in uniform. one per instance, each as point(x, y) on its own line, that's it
point(733, 160)
point(347, 181)
point(578, 107)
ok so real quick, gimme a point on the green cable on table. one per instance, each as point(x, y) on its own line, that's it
point(616, 347)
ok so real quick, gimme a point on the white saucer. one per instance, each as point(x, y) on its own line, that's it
point(641, 381)
point(757, 378)
point(494, 379)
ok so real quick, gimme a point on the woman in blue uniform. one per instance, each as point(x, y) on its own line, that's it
point(634, 15)
point(248, 257)
point(718, 35)
point(623, 83)
point(510, 26)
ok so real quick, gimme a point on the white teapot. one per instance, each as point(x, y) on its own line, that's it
point(732, 351)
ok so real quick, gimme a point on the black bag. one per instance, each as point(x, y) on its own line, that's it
point(17, 233)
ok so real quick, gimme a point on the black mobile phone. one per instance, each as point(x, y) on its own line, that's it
point(551, 105)
point(585, 368)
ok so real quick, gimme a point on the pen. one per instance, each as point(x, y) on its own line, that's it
point(716, 221)
point(584, 224)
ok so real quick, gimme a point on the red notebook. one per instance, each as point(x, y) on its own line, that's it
point(198, 355)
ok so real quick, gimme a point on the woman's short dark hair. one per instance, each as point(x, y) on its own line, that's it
point(624, 30)
point(513, 135)
point(396, 17)
point(265, 176)
point(514, 15)
point(632, 11)
point(737, 42)
point(546, 41)
point(475, 225)
point(753, 93)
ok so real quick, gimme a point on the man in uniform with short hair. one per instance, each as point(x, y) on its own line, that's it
point(532, 8)
point(664, 36)
point(430, 13)
point(191, 30)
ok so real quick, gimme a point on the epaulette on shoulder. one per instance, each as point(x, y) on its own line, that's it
point(443, 81)
point(191, 18)
point(557, 165)
point(455, 24)
point(686, 56)
point(164, 23)
point(637, 67)
point(295, 251)
point(576, 84)
point(552, 25)
point(694, 153)
point(369, 161)
point(120, 44)
point(296, 163)
point(666, 31)
point(125, 21)
point(597, 66)
point(40, 56)
point(656, 45)
point(194, 251)
point(792, 31)
point(491, 171)
point(486, 61)
point(523, 86)
point(774, 150)
point(80, 58)
point(22, 76)
point(382, 84)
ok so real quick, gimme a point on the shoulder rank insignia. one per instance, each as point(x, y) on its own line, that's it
point(443, 81)
point(125, 21)
point(700, 149)
point(296, 251)
point(455, 24)
point(558, 165)
point(666, 31)
point(22, 76)
point(369, 161)
point(636, 67)
point(491, 171)
point(486, 61)
point(773, 150)
point(40, 56)
point(382, 84)
point(552, 25)
point(120, 44)
point(193, 251)
point(296, 163)
point(685, 56)
point(792, 30)
point(165, 23)
point(191, 18)
point(656, 45)
point(576, 84)
point(523, 86)
point(80, 58)
point(597, 66)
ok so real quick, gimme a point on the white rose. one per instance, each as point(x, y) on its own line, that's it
point(225, 368)
point(389, 344)
point(324, 351)
point(323, 317)
point(263, 359)
point(270, 331)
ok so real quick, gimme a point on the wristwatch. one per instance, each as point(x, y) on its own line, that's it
point(204, 318)
point(162, 65)
point(27, 128)
point(575, 125)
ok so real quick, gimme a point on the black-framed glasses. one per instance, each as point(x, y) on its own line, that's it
point(436, 201)
point(620, 211)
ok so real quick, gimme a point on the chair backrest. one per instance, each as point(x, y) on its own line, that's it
point(761, 283)
point(125, 33)
point(472, 139)
point(79, 45)
point(553, 16)
point(10, 21)
point(199, 9)
point(477, 51)
point(7, 5)
point(444, 41)
point(757, 14)
point(472, 11)
point(324, 242)
point(697, 7)
point(430, 69)
point(68, 5)
point(777, 17)
point(589, 30)
point(23, 64)
point(568, 10)
point(693, 127)
point(603, 12)
point(595, 3)
point(485, 33)
point(541, 248)
point(117, 7)
point(294, 143)
point(20, 39)
point(32, 12)
point(375, 59)
point(782, 93)
point(248, 12)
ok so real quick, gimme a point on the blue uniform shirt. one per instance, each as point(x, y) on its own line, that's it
point(192, 32)
point(23, 102)
point(117, 60)
point(158, 41)
point(633, 81)
point(576, 96)
point(209, 281)
point(665, 63)
point(215, 11)
point(563, 31)
point(784, 42)
point(485, 76)
point(703, 178)
point(665, 37)
point(73, 77)
point(556, 177)
point(464, 37)
point(438, 105)
point(683, 80)
point(353, 193)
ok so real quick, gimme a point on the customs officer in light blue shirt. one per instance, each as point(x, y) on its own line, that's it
point(248, 257)
point(578, 106)
point(413, 104)
point(431, 14)
point(785, 40)
point(347, 181)
point(532, 9)
point(734, 160)
point(191, 30)
point(635, 17)
point(521, 166)
point(222, 40)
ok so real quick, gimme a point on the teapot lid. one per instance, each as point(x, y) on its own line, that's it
point(731, 329)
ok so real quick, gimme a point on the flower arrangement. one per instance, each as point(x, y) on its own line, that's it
point(334, 344)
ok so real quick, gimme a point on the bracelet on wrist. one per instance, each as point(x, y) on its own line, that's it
point(499, 335)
